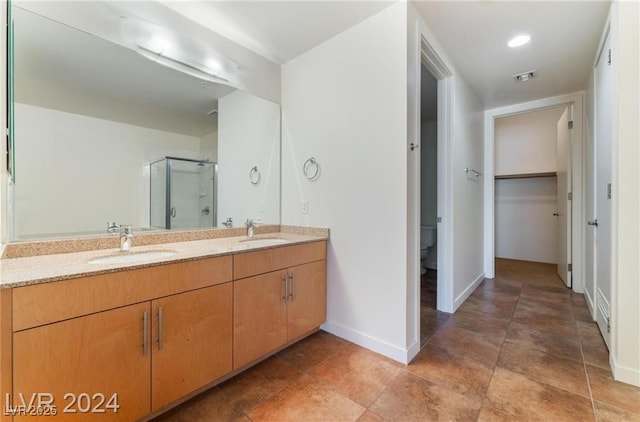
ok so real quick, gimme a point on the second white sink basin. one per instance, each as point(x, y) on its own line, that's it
point(133, 257)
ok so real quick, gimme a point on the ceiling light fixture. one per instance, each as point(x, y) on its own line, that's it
point(525, 76)
point(175, 64)
point(519, 41)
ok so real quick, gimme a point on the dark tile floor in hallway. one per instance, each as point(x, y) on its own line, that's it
point(522, 347)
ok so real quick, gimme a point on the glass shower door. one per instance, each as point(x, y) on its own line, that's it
point(183, 194)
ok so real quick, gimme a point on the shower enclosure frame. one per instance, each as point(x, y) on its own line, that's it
point(168, 160)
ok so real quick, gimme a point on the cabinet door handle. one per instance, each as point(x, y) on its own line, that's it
point(286, 288)
point(159, 327)
point(292, 294)
point(145, 330)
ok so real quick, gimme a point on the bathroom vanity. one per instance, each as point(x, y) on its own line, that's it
point(127, 342)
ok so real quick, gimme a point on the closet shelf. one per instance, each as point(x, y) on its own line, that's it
point(525, 175)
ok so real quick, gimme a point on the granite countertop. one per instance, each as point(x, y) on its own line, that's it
point(16, 272)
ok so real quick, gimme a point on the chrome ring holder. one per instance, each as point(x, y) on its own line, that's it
point(254, 175)
point(311, 169)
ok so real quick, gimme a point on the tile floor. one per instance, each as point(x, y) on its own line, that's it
point(521, 348)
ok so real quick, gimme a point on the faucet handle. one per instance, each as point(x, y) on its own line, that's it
point(126, 230)
point(249, 222)
point(112, 227)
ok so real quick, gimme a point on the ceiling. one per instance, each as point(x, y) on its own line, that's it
point(564, 36)
point(278, 30)
point(564, 40)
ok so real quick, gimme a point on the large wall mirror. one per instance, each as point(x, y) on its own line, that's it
point(129, 131)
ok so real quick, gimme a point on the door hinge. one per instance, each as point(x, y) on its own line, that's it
point(439, 220)
point(570, 124)
point(608, 324)
point(570, 267)
point(608, 190)
point(413, 146)
point(609, 57)
point(570, 196)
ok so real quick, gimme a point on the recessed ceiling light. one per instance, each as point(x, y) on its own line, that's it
point(518, 41)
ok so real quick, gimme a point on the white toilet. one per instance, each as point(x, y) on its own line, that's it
point(427, 241)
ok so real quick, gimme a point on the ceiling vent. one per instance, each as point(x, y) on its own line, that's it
point(525, 76)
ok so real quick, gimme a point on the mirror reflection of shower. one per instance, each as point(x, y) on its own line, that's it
point(183, 193)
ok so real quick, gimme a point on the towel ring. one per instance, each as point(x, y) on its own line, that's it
point(311, 169)
point(254, 175)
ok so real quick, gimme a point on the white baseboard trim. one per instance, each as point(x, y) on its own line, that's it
point(624, 374)
point(467, 292)
point(590, 303)
point(376, 345)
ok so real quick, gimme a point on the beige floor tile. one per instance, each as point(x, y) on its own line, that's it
point(458, 373)
point(544, 341)
point(259, 383)
point(526, 399)
point(307, 400)
point(607, 413)
point(462, 342)
point(595, 353)
point(210, 406)
point(489, 414)
point(357, 373)
point(553, 370)
point(309, 352)
point(606, 390)
point(411, 398)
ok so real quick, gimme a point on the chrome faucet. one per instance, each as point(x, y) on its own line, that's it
point(112, 228)
point(228, 223)
point(126, 236)
point(250, 226)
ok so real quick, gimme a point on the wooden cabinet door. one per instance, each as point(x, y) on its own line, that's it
point(307, 299)
point(192, 341)
point(259, 316)
point(84, 358)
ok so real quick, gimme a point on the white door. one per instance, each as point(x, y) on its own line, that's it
point(563, 158)
point(602, 224)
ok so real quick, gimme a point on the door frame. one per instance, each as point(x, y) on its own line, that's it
point(577, 184)
point(424, 50)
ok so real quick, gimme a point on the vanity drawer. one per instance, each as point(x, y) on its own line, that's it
point(259, 262)
point(56, 301)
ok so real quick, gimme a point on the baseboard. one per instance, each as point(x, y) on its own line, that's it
point(590, 303)
point(467, 292)
point(624, 374)
point(368, 342)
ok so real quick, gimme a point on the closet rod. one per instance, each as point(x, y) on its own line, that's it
point(525, 175)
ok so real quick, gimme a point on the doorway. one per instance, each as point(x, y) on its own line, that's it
point(533, 189)
point(431, 315)
point(575, 228)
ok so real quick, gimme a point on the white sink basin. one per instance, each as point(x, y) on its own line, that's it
point(132, 257)
point(260, 242)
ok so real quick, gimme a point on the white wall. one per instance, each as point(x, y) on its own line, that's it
point(526, 143)
point(428, 173)
point(209, 147)
point(344, 103)
point(248, 136)
point(468, 196)
point(625, 356)
point(525, 226)
point(99, 174)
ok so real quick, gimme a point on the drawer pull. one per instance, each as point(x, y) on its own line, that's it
point(159, 327)
point(292, 294)
point(145, 330)
point(286, 288)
